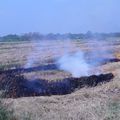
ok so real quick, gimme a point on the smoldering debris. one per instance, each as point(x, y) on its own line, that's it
point(15, 85)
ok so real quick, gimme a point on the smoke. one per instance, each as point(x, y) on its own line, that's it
point(36, 53)
point(82, 63)
point(75, 64)
point(30, 60)
point(43, 51)
point(99, 52)
point(71, 57)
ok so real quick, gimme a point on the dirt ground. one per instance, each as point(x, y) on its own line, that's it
point(98, 103)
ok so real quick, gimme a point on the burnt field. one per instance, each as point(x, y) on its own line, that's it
point(34, 80)
point(22, 80)
point(16, 85)
point(33, 69)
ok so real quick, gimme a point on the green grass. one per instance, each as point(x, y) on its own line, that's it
point(6, 114)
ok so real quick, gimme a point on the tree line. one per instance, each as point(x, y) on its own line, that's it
point(37, 36)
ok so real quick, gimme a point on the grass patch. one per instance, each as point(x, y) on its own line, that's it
point(5, 114)
point(113, 111)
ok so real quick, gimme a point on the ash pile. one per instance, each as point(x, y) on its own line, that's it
point(15, 85)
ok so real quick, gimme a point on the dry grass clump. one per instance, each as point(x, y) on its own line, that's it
point(77, 106)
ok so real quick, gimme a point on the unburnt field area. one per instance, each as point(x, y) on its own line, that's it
point(101, 102)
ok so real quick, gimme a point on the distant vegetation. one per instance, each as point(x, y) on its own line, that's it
point(37, 36)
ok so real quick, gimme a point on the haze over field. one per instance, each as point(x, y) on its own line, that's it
point(60, 59)
point(59, 16)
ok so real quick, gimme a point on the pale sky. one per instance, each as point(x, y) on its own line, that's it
point(59, 16)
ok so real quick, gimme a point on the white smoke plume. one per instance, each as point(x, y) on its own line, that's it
point(75, 64)
point(71, 58)
point(35, 55)
point(79, 64)
point(41, 50)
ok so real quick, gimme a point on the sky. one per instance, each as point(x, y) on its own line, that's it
point(59, 16)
